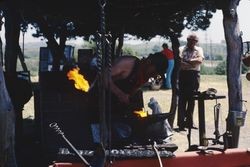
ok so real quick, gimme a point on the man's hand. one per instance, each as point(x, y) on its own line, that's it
point(185, 65)
point(196, 61)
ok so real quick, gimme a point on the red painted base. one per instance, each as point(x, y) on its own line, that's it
point(229, 158)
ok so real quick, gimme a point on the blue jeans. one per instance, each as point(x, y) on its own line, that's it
point(169, 72)
point(121, 131)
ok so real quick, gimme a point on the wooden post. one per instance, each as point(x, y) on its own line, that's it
point(234, 53)
point(174, 79)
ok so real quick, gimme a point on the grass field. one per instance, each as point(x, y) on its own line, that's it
point(164, 99)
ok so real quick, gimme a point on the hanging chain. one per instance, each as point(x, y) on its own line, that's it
point(101, 68)
point(108, 61)
point(100, 36)
point(102, 5)
point(109, 52)
point(99, 54)
point(104, 70)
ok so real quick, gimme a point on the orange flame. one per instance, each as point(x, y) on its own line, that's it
point(141, 113)
point(80, 82)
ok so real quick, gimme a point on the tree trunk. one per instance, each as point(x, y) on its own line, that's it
point(54, 47)
point(1, 43)
point(120, 44)
point(234, 52)
point(7, 127)
point(63, 39)
point(21, 58)
point(113, 44)
point(174, 79)
point(12, 33)
point(1, 52)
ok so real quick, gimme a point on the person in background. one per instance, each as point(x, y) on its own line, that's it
point(189, 80)
point(170, 56)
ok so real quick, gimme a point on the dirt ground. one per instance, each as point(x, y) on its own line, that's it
point(219, 82)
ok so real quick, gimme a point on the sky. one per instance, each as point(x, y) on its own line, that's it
point(214, 34)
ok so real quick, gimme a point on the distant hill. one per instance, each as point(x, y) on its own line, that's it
point(143, 49)
point(211, 50)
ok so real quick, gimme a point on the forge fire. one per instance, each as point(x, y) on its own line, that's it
point(80, 82)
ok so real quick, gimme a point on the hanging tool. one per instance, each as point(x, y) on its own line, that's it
point(57, 129)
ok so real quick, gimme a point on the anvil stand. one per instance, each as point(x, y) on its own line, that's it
point(201, 97)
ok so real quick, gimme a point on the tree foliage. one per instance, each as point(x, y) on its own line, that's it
point(145, 19)
point(220, 69)
point(142, 18)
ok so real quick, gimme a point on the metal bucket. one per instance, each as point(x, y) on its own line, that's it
point(239, 117)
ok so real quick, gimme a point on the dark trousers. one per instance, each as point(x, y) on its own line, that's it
point(189, 82)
